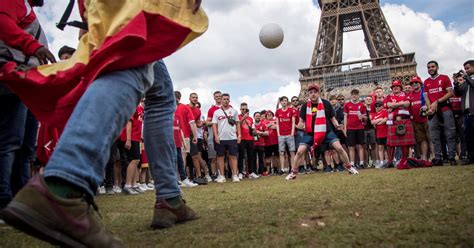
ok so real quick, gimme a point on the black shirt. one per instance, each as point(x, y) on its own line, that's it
point(328, 110)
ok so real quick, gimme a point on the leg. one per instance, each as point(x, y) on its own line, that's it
point(435, 137)
point(450, 132)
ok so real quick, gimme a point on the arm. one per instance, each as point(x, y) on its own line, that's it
point(434, 105)
point(216, 135)
point(128, 132)
point(293, 125)
point(278, 126)
point(239, 134)
point(345, 121)
point(192, 124)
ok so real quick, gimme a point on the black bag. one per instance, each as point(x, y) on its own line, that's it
point(231, 121)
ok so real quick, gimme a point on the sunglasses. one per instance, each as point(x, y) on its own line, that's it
point(340, 99)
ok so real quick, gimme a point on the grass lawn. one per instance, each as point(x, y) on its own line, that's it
point(418, 207)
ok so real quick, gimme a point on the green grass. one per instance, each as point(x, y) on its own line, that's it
point(430, 207)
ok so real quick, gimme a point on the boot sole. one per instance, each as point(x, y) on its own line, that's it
point(29, 221)
point(163, 225)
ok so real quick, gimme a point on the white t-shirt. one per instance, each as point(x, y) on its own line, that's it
point(200, 130)
point(224, 129)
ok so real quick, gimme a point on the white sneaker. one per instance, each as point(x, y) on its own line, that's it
point(220, 179)
point(142, 186)
point(241, 176)
point(253, 176)
point(101, 190)
point(208, 178)
point(236, 179)
point(188, 184)
point(150, 186)
point(117, 189)
point(352, 170)
point(129, 191)
point(291, 176)
point(137, 189)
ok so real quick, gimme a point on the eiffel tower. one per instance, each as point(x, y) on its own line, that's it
point(387, 61)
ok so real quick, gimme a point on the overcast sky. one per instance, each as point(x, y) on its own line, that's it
point(230, 58)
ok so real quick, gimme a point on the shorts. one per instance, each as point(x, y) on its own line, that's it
point(227, 145)
point(134, 152)
point(355, 137)
point(195, 149)
point(271, 151)
point(308, 140)
point(342, 137)
point(370, 137)
point(381, 141)
point(421, 131)
point(284, 141)
point(211, 152)
point(186, 145)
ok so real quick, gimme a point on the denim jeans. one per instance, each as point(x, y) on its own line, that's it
point(180, 164)
point(102, 112)
point(18, 129)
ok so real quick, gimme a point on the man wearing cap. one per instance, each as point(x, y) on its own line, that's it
point(420, 120)
point(437, 91)
point(400, 130)
point(66, 52)
point(317, 118)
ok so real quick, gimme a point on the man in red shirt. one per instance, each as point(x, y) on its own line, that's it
point(259, 145)
point(354, 117)
point(246, 145)
point(285, 119)
point(437, 91)
point(420, 120)
point(188, 125)
point(271, 144)
point(459, 122)
point(211, 152)
point(379, 120)
point(195, 149)
point(22, 40)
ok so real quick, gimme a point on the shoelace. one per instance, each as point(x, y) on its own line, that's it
point(90, 200)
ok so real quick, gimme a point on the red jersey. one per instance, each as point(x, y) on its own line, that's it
point(177, 133)
point(196, 113)
point(415, 106)
point(137, 125)
point(353, 110)
point(261, 127)
point(210, 112)
point(372, 105)
point(272, 138)
point(380, 130)
point(185, 115)
point(455, 103)
point(437, 87)
point(244, 128)
point(400, 111)
point(285, 120)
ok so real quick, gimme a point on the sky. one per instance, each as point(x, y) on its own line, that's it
point(230, 58)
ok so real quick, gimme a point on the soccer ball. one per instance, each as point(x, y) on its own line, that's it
point(271, 35)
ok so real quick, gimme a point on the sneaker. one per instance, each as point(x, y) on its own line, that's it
point(467, 161)
point(308, 170)
point(165, 215)
point(437, 162)
point(200, 181)
point(453, 162)
point(150, 186)
point(291, 176)
point(379, 165)
point(138, 189)
point(301, 170)
point(129, 191)
point(186, 183)
point(109, 191)
point(241, 176)
point(253, 176)
point(59, 221)
point(340, 168)
point(328, 169)
point(220, 179)
point(235, 179)
point(2, 222)
point(208, 178)
point(101, 190)
point(143, 187)
point(117, 189)
point(352, 170)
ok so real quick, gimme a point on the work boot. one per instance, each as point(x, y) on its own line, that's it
point(59, 221)
point(165, 215)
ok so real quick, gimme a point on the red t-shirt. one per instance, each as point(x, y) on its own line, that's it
point(196, 113)
point(437, 88)
point(244, 128)
point(415, 106)
point(380, 130)
point(372, 105)
point(352, 110)
point(400, 111)
point(456, 103)
point(185, 115)
point(210, 112)
point(261, 127)
point(177, 133)
point(137, 124)
point(285, 122)
point(272, 138)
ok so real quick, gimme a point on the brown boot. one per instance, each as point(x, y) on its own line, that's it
point(166, 216)
point(59, 221)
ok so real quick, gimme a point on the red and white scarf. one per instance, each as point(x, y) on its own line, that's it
point(319, 123)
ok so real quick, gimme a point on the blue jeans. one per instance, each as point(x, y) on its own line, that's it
point(101, 113)
point(18, 129)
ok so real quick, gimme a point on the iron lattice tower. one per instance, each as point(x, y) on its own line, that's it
point(386, 63)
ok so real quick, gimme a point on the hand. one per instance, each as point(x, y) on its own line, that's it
point(239, 139)
point(43, 55)
point(218, 141)
point(197, 4)
point(128, 144)
point(195, 140)
point(340, 127)
point(300, 125)
point(424, 108)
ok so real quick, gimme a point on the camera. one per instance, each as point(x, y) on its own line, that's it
point(460, 73)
